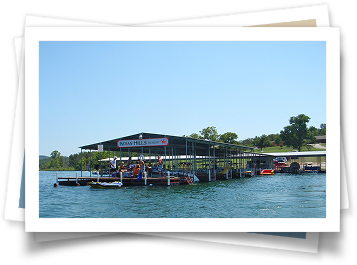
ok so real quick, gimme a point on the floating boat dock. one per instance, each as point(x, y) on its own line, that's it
point(195, 159)
point(185, 160)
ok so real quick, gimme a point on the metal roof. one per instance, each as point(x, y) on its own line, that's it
point(298, 154)
point(146, 158)
point(177, 142)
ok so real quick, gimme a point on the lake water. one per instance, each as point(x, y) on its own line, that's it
point(276, 196)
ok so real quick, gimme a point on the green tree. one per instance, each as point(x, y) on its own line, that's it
point(278, 139)
point(295, 134)
point(261, 141)
point(55, 159)
point(210, 133)
point(229, 137)
point(313, 130)
point(247, 142)
point(73, 160)
point(55, 154)
point(322, 130)
point(82, 164)
point(194, 135)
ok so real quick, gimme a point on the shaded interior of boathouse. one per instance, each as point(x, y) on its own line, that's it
point(208, 160)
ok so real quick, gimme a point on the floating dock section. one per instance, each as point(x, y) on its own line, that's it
point(84, 181)
point(185, 160)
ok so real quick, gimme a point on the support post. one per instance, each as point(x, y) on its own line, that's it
point(214, 163)
point(209, 163)
point(81, 162)
point(121, 177)
point(76, 177)
point(146, 177)
point(226, 160)
point(172, 159)
point(56, 177)
point(101, 171)
point(168, 178)
point(186, 159)
point(193, 161)
point(231, 162)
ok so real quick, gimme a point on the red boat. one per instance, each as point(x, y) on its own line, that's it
point(280, 162)
point(266, 172)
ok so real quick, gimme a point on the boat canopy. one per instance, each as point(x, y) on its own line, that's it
point(180, 144)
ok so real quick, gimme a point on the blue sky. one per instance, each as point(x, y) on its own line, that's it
point(96, 91)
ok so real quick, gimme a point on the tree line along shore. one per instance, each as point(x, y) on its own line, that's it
point(296, 136)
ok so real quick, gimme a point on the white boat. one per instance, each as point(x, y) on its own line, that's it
point(106, 185)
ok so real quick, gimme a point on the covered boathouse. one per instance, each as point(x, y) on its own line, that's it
point(185, 160)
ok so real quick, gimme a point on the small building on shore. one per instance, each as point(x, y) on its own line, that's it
point(321, 139)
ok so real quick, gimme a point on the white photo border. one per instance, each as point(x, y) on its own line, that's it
point(36, 34)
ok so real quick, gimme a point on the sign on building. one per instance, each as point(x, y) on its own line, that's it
point(143, 142)
point(100, 148)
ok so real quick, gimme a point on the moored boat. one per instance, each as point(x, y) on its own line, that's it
point(267, 172)
point(249, 173)
point(106, 185)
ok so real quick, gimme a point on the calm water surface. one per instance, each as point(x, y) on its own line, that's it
point(277, 196)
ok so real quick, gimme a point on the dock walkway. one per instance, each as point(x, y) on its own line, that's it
point(84, 181)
